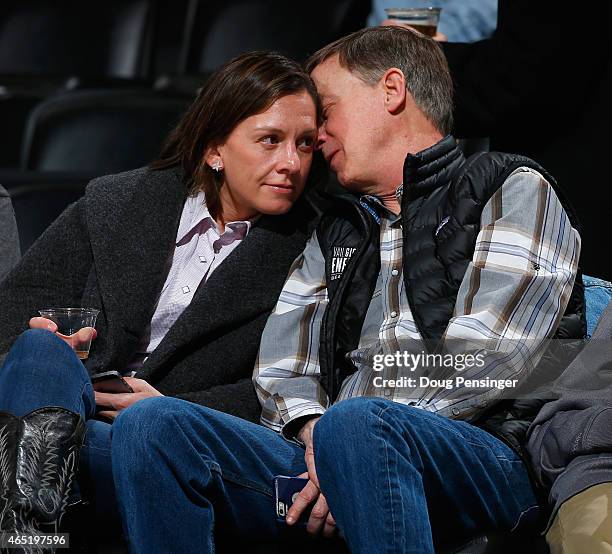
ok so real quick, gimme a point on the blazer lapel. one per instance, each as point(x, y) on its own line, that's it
point(132, 241)
point(237, 291)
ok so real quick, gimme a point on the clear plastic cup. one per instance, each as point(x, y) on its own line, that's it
point(424, 20)
point(71, 320)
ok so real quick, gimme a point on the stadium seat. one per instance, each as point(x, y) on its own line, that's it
point(46, 47)
point(73, 37)
point(216, 32)
point(98, 131)
point(37, 205)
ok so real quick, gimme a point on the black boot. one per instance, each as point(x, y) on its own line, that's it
point(38, 461)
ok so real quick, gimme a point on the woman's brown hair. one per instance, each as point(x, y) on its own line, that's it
point(245, 86)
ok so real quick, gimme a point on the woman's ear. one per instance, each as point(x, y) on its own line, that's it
point(212, 157)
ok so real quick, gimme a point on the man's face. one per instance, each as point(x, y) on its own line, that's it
point(352, 132)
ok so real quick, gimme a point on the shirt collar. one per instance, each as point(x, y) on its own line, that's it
point(378, 209)
point(197, 219)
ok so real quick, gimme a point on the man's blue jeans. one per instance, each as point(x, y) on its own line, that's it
point(41, 370)
point(397, 479)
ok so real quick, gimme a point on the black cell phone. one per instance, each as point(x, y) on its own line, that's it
point(110, 381)
point(285, 490)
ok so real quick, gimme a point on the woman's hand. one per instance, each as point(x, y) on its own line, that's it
point(82, 335)
point(115, 402)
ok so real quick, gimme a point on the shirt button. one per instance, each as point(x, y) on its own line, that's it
point(395, 273)
point(393, 314)
point(456, 411)
point(203, 259)
point(186, 290)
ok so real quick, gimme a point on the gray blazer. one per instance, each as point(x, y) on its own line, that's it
point(111, 249)
point(9, 239)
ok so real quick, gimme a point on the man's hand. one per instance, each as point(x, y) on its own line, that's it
point(82, 335)
point(305, 435)
point(320, 516)
point(120, 401)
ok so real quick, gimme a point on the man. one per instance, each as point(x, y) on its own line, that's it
point(476, 257)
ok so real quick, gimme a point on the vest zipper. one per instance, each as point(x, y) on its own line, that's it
point(332, 311)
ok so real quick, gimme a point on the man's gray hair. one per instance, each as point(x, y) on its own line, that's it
point(369, 53)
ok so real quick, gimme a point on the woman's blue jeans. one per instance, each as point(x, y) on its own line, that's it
point(41, 370)
point(397, 479)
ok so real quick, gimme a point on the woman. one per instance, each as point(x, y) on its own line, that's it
point(184, 260)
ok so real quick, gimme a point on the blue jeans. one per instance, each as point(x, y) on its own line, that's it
point(42, 370)
point(597, 295)
point(397, 479)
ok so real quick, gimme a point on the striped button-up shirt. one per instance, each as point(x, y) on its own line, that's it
point(510, 301)
point(200, 249)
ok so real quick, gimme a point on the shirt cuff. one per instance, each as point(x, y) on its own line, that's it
point(291, 428)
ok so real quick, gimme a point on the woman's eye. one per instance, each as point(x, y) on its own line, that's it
point(270, 139)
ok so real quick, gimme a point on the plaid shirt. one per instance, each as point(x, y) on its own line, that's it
point(511, 299)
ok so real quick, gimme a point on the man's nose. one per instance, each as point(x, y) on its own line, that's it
point(321, 137)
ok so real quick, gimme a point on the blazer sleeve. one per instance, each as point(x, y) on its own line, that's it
point(53, 272)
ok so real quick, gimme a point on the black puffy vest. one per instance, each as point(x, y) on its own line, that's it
point(442, 202)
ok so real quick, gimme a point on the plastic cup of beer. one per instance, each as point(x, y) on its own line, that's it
point(69, 322)
point(424, 20)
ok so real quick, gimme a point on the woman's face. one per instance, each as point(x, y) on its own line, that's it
point(266, 158)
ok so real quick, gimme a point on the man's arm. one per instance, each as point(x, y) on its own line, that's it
point(286, 375)
point(287, 370)
point(514, 292)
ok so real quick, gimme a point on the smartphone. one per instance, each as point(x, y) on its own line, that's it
point(110, 381)
point(285, 490)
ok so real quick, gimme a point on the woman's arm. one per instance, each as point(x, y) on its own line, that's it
point(53, 272)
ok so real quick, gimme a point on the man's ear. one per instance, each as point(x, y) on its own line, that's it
point(394, 87)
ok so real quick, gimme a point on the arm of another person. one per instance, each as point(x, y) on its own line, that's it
point(9, 239)
point(53, 272)
point(513, 294)
point(579, 422)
